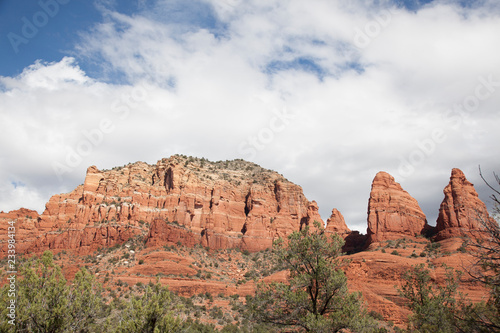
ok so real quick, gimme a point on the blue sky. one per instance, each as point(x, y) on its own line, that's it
point(327, 93)
point(66, 20)
point(52, 41)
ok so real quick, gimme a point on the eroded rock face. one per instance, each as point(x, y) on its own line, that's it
point(33, 235)
point(461, 211)
point(336, 224)
point(392, 212)
point(354, 241)
point(24, 224)
point(186, 200)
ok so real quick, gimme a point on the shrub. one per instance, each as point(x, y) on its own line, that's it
point(375, 315)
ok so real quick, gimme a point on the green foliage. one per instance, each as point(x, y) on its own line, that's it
point(441, 308)
point(149, 313)
point(190, 326)
point(485, 316)
point(47, 304)
point(434, 307)
point(316, 297)
point(481, 317)
point(432, 248)
point(85, 302)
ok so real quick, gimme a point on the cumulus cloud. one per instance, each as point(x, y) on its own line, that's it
point(326, 92)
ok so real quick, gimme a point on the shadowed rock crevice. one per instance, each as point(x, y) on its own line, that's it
point(304, 222)
point(277, 196)
point(248, 203)
point(169, 179)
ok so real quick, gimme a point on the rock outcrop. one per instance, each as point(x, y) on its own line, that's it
point(180, 199)
point(461, 211)
point(392, 212)
point(354, 241)
point(336, 224)
point(24, 225)
point(34, 235)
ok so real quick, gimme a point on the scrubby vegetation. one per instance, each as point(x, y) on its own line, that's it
point(315, 297)
point(48, 303)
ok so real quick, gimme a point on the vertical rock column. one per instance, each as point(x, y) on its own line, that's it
point(392, 212)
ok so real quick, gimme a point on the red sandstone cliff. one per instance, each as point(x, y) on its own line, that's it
point(232, 204)
point(392, 212)
point(461, 211)
point(187, 200)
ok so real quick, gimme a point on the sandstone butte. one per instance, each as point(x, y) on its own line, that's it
point(392, 212)
point(232, 204)
point(461, 212)
point(335, 224)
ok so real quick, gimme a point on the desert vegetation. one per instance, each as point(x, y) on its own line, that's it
point(303, 283)
point(314, 297)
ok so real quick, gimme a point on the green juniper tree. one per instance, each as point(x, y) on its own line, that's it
point(150, 313)
point(434, 307)
point(46, 303)
point(316, 298)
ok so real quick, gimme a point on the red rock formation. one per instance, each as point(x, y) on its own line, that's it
point(25, 221)
point(392, 212)
point(33, 235)
point(163, 232)
point(461, 210)
point(336, 224)
point(217, 204)
point(354, 241)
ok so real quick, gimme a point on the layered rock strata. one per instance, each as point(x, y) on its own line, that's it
point(180, 199)
point(461, 212)
point(392, 212)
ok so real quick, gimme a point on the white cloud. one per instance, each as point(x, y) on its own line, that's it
point(214, 90)
point(15, 196)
